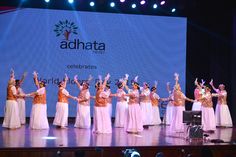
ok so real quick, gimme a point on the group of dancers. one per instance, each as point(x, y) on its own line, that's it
point(202, 102)
point(136, 107)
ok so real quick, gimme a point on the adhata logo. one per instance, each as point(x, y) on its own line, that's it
point(66, 28)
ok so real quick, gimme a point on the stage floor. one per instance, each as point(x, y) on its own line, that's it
point(74, 137)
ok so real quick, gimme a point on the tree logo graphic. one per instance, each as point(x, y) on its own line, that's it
point(65, 28)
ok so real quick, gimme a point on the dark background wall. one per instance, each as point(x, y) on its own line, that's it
point(211, 47)
point(233, 69)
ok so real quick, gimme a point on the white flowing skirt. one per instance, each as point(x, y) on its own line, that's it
point(83, 118)
point(38, 117)
point(146, 108)
point(102, 120)
point(134, 119)
point(11, 116)
point(208, 119)
point(197, 106)
point(177, 124)
point(21, 104)
point(168, 115)
point(223, 117)
point(156, 115)
point(121, 114)
point(61, 116)
point(109, 106)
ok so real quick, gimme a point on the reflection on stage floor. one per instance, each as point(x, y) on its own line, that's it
point(74, 137)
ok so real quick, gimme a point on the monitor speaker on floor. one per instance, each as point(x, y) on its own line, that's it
point(192, 117)
point(160, 154)
point(79, 153)
point(194, 120)
point(131, 153)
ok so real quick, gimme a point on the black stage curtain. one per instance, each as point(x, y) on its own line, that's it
point(211, 50)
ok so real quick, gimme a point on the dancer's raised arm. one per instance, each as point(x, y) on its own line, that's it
point(105, 80)
point(23, 77)
point(35, 74)
point(212, 85)
point(76, 81)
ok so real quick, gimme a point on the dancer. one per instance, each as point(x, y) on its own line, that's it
point(21, 99)
point(208, 117)
point(197, 97)
point(102, 120)
point(155, 109)
point(177, 124)
point(222, 114)
point(38, 117)
point(83, 117)
point(11, 115)
point(146, 106)
point(121, 105)
point(134, 117)
point(169, 107)
point(109, 99)
point(61, 116)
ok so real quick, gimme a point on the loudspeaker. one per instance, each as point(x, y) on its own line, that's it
point(79, 153)
point(160, 154)
point(195, 132)
point(192, 117)
point(131, 153)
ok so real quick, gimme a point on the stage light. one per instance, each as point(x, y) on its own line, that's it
point(47, 1)
point(91, 4)
point(122, 1)
point(71, 1)
point(112, 4)
point(142, 2)
point(131, 153)
point(173, 10)
point(163, 2)
point(154, 6)
point(133, 6)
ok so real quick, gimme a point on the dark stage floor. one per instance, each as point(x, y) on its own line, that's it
point(73, 137)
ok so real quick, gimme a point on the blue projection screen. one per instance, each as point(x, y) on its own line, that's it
point(55, 42)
